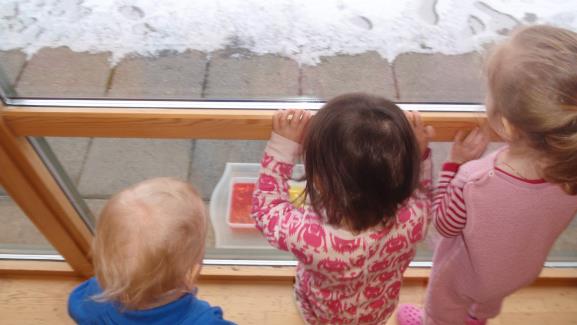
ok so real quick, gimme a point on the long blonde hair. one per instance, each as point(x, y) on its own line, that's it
point(148, 240)
point(532, 81)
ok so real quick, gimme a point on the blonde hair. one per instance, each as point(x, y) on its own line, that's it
point(149, 238)
point(532, 81)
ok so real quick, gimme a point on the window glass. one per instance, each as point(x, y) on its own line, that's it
point(18, 235)
point(409, 51)
point(101, 167)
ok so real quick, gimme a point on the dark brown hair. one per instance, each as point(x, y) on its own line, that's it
point(533, 84)
point(361, 160)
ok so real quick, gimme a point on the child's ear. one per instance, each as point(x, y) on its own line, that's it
point(496, 121)
point(192, 277)
point(195, 272)
point(508, 129)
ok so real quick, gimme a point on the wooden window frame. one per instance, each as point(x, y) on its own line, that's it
point(37, 192)
point(180, 123)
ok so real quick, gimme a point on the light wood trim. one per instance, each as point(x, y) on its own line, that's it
point(208, 272)
point(548, 276)
point(180, 123)
point(26, 300)
point(14, 267)
point(33, 188)
point(564, 276)
point(247, 272)
point(139, 123)
point(558, 273)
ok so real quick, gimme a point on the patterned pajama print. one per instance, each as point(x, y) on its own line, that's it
point(342, 278)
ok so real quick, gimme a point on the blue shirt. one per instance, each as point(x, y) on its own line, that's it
point(185, 310)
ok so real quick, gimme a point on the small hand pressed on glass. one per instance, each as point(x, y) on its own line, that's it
point(291, 123)
point(423, 133)
point(469, 146)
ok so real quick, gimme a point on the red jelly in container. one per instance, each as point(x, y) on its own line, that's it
point(240, 203)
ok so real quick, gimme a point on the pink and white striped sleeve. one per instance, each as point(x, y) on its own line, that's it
point(449, 210)
point(274, 214)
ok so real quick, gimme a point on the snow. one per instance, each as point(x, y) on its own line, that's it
point(304, 30)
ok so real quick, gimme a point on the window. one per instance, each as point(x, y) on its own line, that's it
point(82, 56)
point(18, 235)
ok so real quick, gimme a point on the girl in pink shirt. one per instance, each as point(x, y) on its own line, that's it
point(369, 193)
point(500, 215)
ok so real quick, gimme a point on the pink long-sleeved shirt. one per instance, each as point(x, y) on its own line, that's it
point(499, 228)
point(342, 278)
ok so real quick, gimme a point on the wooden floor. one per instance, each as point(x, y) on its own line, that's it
point(42, 300)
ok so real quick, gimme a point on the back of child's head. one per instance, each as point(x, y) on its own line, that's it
point(361, 161)
point(149, 239)
point(532, 81)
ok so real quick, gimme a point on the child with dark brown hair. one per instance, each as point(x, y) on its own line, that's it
point(500, 215)
point(368, 172)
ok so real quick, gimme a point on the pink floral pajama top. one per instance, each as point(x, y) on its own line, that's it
point(342, 278)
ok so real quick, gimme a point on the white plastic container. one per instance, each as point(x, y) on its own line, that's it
point(220, 200)
point(231, 235)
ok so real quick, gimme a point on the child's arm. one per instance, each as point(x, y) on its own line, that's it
point(426, 177)
point(449, 208)
point(423, 133)
point(421, 197)
point(272, 209)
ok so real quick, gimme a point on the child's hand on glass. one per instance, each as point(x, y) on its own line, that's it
point(291, 123)
point(468, 146)
point(423, 133)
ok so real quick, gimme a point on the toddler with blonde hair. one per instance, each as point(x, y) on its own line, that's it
point(148, 252)
point(501, 214)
